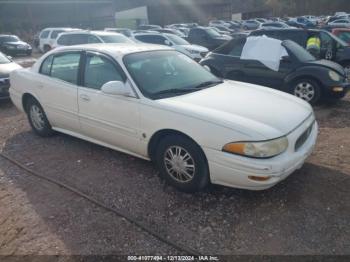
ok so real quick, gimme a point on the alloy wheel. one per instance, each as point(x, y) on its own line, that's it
point(37, 117)
point(179, 164)
point(305, 90)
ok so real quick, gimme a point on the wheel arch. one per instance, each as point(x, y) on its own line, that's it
point(25, 99)
point(160, 134)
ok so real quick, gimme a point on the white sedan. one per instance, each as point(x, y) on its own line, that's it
point(158, 104)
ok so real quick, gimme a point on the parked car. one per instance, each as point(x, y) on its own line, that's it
point(274, 25)
point(340, 22)
point(303, 21)
point(343, 34)
point(125, 31)
point(332, 48)
point(251, 25)
point(6, 67)
point(158, 104)
point(48, 37)
point(89, 37)
point(313, 19)
point(215, 23)
point(299, 72)
point(148, 27)
point(12, 45)
point(196, 52)
point(171, 31)
point(207, 37)
point(224, 29)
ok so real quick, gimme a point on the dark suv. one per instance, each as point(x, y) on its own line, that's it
point(207, 37)
point(332, 47)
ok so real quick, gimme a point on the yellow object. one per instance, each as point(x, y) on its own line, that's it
point(338, 89)
point(259, 178)
point(313, 42)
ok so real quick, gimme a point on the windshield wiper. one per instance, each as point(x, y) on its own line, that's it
point(208, 84)
point(176, 91)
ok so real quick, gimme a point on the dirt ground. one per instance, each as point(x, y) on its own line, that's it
point(306, 214)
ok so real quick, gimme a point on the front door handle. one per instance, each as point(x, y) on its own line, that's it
point(85, 98)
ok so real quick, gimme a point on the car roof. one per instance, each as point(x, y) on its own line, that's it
point(114, 49)
point(288, 29)
point(59, 28)
point(88, 32)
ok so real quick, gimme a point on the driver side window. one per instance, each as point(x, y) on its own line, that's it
point(326, 40)
point(100, 70)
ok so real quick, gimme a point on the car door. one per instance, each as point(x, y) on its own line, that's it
point(110, 119)
point(58, 89)
point(328, 46)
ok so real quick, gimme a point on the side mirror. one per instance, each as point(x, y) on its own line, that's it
point(167, 42)
point(117, 88)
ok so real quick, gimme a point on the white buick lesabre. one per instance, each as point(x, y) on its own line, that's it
point(157, 104)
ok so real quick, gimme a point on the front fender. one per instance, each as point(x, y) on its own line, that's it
point(318, 73)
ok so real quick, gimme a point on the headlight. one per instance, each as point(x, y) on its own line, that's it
point(334, 76)
point(264, 149)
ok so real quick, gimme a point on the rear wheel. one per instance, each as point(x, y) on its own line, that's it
point(182, 163)
point(307, 89)
point(37, 118)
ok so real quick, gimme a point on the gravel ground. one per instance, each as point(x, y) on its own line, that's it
point(306, 214)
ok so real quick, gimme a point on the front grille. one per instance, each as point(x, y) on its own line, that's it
point(302, 139)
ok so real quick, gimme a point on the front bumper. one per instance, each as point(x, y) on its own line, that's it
point(234, 171)
point(338, 91)
point(18, 51)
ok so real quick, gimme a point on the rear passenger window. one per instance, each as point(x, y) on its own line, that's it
point(46, 66)
point(100, 70)
point(44, 34)
point(63, 40)
point(78, 39)
point(55, 33)
point(66, 67)
point(93, 39)
point(232, 48)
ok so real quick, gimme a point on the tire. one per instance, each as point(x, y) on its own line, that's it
point(196, 175)
point(37, 118)
point(306, 89)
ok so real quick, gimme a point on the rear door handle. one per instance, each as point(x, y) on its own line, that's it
point(85, 98)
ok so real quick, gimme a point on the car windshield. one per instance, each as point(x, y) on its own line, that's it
point(4, 59)
point(115, 39)
point(177, 40)
point(160, 74)
point(5, 39)
point(339, 41)
point(212, 32)
point(345, 36)
point(300, 53)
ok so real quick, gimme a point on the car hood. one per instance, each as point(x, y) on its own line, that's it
point(195, 48)
point(329, 64)
point(6, 69)
point(258, 112)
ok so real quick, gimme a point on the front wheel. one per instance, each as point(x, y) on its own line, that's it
point(37, 118)
point(307, 89)
point(182, 163)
